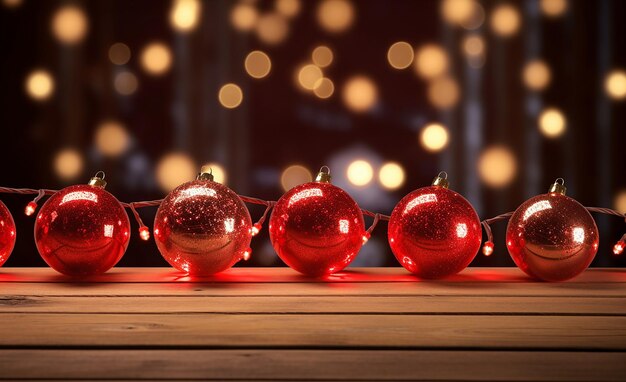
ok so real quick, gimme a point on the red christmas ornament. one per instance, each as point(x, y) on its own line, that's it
point(202, 227)
point(7, 233)
point(317, 228)
point(434, 232)
point(552, 237)
point(82, 230)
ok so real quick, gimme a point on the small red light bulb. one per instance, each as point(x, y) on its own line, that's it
point(255, 229)
point(247, 253)
point(618, 248)
point(30, 209)
point(488, 248)
point(366, 237)
point(144, 233)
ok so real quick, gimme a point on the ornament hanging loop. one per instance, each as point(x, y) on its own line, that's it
point(206, 173)
point(558, 187)
point(441, 180)
point(98, 180)
point(323, 175)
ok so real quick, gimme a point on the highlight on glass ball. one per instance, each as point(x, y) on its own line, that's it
point(82, 230)
point(317, 228)
point(202, 227)
point(434, 232)
point(551, 236)
point(7, 233)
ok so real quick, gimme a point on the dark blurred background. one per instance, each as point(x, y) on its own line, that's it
point(505, 96)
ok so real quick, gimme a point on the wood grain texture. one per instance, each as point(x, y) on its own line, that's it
point(481, 305)
point(272, 324)
point(370, 365)
point(308, 330)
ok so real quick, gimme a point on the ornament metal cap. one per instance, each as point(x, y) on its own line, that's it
point(323, 175)
point(206, 173)
point(441, 180)
point(98, 180)
point(558, 187)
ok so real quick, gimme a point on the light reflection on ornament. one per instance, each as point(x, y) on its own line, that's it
point(195, 191)
point(541, 205)
point(579, 234)
point(420, 199)
point(305, 194)
point(79, 195)
point(344, 226)
point(461, 230)
point(108, 230)
point(229, 225)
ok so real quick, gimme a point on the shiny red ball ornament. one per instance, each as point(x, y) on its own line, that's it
point(82, 230)
point(7, 233)
point(434, 232)
point(202, 227)
point(317, 228)
point(552, 237)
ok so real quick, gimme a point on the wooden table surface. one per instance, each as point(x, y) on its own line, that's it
point(273, 324)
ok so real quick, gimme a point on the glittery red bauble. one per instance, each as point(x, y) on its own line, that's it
point(203, 227)
point(552, 237)
point(317, 228)
point(82, 230)
point(7, 233)
point(434, 232)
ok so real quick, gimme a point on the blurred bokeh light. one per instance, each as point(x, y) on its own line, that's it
point(615, 84)
point(536, 75)
point(272, 28)
point(68, 164)
point(497, 166)
point(112, 139)
point(324, 88)
point(295, 175)
point(360, 93)
point(400, 55)
point(553, 8)
point(391, 175)
point(125, 83)
point(434, 137)
point(505, 20)
point(360, 172)
point(258, 64)
point(335, 16)
point(288, 8)
point(431, 61)
point(309, 75)
point(39, 85)
point(70, 24)
point(185, 15)
point(175, 169)
point(119, 53)
point(156, 58)
point(552, 122)
point(322, 56)
point(244, 17)
point(230, 96)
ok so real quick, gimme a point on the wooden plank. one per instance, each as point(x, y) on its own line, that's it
point(318, 304)
point(313, 331)
point(287, 275)
point(435, 288)
point(312, 365)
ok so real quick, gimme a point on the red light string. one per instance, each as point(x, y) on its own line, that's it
point(377, 218)
point(488, 247)
point(144, 231)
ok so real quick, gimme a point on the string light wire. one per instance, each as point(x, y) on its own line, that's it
point(144, 231)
